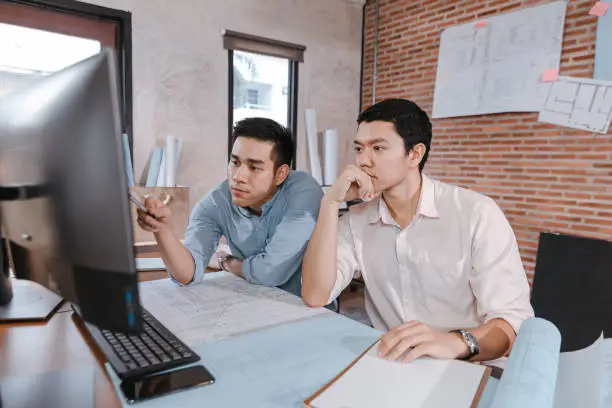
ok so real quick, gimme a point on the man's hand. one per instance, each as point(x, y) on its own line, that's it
point(233, 265)
point(352, 184)
point(417, 339)
point(160, 211)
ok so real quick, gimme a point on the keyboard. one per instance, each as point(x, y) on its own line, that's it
point(155, 349)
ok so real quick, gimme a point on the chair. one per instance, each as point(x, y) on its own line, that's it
point(572, 287)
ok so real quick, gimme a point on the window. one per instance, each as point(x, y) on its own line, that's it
point(27, 53)
point(258, 87)
point(38, 37)
point(262, 80)
point(252, 98)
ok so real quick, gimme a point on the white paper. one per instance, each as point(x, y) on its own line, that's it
point(580, 378)
point(171, 146)
point(221, 306)
point(530, 373)
point(425, 382)
point(330, 156)
point(313, 144)
point(150, 264)
point(498, 68)
point(579, 103)
point(161, 176)
point(178, 151)
point(607, 373)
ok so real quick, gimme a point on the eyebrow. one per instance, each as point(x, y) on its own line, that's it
point(250, 161)
point(371, 142)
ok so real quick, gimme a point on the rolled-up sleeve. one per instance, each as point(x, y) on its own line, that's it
point(347, 265)
point(202, 236)
point(498, 278)
point(282, 256)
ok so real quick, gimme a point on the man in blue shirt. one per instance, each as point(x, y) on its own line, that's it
point(265, 211)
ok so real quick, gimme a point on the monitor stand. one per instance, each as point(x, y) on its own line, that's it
point(31, 302)
point(22, 300)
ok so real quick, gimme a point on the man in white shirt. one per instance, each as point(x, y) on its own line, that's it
point(441, 264)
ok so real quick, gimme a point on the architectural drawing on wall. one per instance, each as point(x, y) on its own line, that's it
point(603, 47)
point(579, 103)
point(498, 68)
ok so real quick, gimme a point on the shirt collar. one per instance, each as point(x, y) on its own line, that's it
point(427, 202)
point(378, 211)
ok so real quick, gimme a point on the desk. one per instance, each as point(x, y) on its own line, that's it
point(54, 364)
point(149, 250)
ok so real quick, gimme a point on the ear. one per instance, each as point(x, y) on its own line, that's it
point(281, 174)
point(417, 153)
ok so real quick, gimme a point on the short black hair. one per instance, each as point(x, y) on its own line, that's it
point(270, 131)
point(410, 121)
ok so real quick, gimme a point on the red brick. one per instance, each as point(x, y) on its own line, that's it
point(545, 178)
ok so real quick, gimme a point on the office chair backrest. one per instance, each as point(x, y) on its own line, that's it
point(572, 287)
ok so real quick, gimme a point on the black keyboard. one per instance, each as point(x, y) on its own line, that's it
point(155, 349)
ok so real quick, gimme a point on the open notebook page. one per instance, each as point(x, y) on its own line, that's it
point(426, 382)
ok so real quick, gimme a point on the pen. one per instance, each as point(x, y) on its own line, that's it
point(140, 205)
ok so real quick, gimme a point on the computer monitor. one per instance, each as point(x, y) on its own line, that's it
point(60, 137)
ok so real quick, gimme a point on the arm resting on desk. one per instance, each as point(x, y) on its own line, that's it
point(495, 338)
point(415, 339)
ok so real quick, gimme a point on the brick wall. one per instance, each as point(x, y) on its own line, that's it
point(545, 177)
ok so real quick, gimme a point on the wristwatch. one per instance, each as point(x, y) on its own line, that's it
point(471, 341)
point(221, 258)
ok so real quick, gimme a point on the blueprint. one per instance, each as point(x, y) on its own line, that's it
point(221, 306)
point(603, 47)
point(537, 376)
point(580, 377)
point(579, 103)
point(499, 67)
point(530, 373)
point(607, 373)
point(277, 367)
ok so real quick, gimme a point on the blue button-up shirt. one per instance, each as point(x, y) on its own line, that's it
point(271, 245)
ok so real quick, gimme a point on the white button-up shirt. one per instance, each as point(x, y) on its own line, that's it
point(457, 264)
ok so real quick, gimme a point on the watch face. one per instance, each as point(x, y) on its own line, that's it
point(472, 343)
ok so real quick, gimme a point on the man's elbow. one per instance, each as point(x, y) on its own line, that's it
point(271, 276)
point(314, 303)
point(313, 299)
point(182, 280)
point(269, 280)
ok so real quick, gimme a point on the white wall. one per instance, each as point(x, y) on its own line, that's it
point(180, 72)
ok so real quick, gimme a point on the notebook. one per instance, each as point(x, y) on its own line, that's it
point(372, 381)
